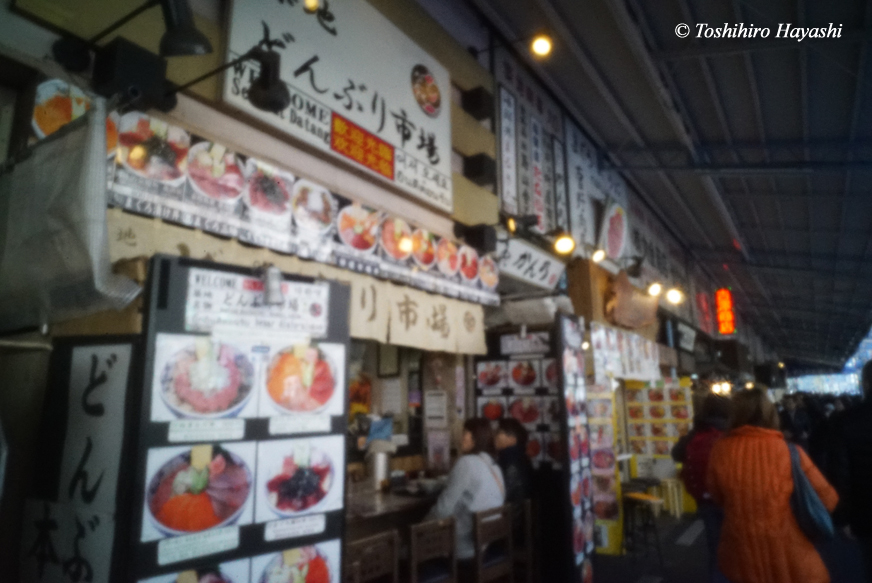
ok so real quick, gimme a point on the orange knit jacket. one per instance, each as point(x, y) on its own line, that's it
point(749, 476)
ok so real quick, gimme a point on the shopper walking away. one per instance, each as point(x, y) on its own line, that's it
point(750, 477)
point(511, 445)
point(795, 421)
point(709, 425)
point(851, 465)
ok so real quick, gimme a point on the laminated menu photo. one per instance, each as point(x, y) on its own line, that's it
point(490, 376)
point(203, 378)
point(492, 408)
point(298, 477)
point(199, 488)
point(523, 376)
point(316, 563)
point(226, 572)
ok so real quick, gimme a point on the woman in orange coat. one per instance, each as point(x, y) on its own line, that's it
point(749, 476)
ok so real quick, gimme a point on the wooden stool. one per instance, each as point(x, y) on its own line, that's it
point(494, 553)
point(373, 558)
point(673, 495)
point(432, 557)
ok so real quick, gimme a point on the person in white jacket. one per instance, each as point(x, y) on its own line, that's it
point(474, 484)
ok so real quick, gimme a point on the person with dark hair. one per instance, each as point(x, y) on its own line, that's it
point(850, 460)
point(511, 445)
point(474, 484)
point(750, 477)
point(694, 451)
point(795, 421)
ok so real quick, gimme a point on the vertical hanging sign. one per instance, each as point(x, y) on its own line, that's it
point(561, 212)
point(537, 206)
point(726, 315)
point(524, 197)
point(508, 153)
point(577, 169)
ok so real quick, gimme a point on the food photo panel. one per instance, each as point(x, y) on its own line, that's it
point(526, 410)
point(192, 489)
point(229, 572)
point(524, 376)
point(317, 563)
point(550, 411)
point(551, 374)
point(296, 477)
point(203, 377)
point(490, 376)
point(601, 435)
point(303, 377)
point(492, 408)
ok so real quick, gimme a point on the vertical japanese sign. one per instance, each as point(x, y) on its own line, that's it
point(360, 89)
point(578, 168)
point(68, 533)
point(508, 153)
point(538, 120)
point(561, 212)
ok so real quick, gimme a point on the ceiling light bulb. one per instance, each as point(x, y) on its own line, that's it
point(749, 385)
point(598, 255)
point(780, 365)
point(716, 388)
point(511, 225)
point(564, 244)
point(541, 45)
point(405, 244)
point(674, 296)
point(311, 6)
point(585, 345)
point(655, 289)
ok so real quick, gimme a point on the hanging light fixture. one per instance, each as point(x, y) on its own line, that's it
point(511, 225)
point(674, 296)
point(563, 244)
point(655, 289)
point(541, 45)
point(405, 245)
point(585, 345)
point(311, 6)
point(181, 37)
point(598, 256)
point(749, 385)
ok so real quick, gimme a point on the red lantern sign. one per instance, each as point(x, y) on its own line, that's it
point(724, 308)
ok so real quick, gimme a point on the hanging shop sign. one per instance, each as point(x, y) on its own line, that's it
point(623, 355)
point(686, 337)
point(529, 117)
point(580, 162)
point(164, 171)
point(526, 262)
point(725, 313)
point(360, 89)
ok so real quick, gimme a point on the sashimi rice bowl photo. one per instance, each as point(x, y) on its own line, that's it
point(301, 481)
point(300, 379)
point(302, 565)
point(207, 380)
point(198, 489)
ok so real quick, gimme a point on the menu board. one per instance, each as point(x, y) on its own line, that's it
point(527, 389)
point(606, 480)
point(578, 441)
point(241, 464)
point(657, 415)
point(161, 170)
point(623, 355)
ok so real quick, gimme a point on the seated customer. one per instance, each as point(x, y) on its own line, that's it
point(511, 444)
point(474, 484)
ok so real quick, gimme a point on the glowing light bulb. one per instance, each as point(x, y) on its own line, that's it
point(405, 244)
point(655, 289)
point(585, 345)
point(564, 244)
point(598, 256)
point(541, 45)
point(674, 296)
point(511, 225)
point(311, 6)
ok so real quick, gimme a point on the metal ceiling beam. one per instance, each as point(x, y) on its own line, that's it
point(731, 256)
point(834, 145)
point(812, 358)
point(834, 196)
point(737, 47)
point(765, 169)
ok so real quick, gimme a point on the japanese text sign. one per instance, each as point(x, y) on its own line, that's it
point(528, 263)
point(724, 309)
point(359, 87)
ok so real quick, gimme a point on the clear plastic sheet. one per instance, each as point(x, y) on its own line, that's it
point(54, 247)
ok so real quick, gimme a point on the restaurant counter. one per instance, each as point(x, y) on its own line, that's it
point(369, 512)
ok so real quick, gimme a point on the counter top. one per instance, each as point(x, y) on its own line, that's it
point(364, 502)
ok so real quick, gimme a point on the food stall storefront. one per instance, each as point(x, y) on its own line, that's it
point(347, 217)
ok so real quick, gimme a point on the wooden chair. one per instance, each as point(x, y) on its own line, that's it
point(373, 558)
point(432, 556)
point(494, 553)
point(524, 547)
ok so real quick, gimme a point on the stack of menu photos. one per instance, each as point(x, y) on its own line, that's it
point(657, 415)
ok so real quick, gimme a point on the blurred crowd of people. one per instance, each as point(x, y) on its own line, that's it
point(737, 464)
